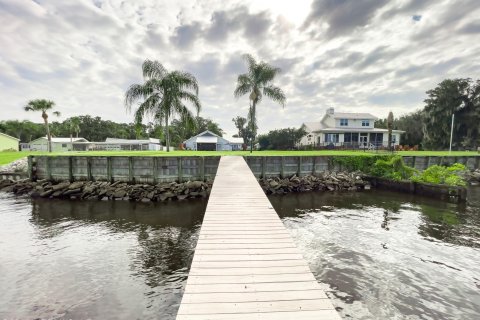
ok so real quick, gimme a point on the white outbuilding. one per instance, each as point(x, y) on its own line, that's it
point(209, 141)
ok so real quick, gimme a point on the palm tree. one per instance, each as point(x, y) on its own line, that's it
point(43, 106)
point(258, 83)
point(163, 95)
point(73, 125)
point(390, 127)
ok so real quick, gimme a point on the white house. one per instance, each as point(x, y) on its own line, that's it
point(115, 144)
point(349, 130)
point(58, 144)
point(209, 141)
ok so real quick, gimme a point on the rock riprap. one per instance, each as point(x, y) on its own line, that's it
point(325, 181)
point(106, 190)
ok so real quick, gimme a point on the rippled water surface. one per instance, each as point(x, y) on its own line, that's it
point(383, 255)
point(97, 260)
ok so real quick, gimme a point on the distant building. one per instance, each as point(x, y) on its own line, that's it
point(8, 142)
point(349, 130)
point(130, 144)
point(58, 144)
point(209, 141)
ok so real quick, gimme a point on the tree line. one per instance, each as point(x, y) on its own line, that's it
point(97, 129)
point(430, 127)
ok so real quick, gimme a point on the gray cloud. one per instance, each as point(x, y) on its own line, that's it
point(342, 16)
point(84, 55)
point(185, 35)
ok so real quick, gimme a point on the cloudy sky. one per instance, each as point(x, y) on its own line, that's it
point(357, 56)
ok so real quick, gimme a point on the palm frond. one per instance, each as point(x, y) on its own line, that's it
point(276, 94)
point(153, 70)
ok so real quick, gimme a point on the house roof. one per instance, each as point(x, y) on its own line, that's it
point(314, 126)
point(373, 130)
point(6, 135)
point(132, 141)
point(350, 115)
point(62, 140)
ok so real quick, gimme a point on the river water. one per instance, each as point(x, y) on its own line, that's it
point(379, 255)
point(385, 255)
point(95, 259)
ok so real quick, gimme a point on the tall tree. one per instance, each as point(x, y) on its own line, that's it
point(163, 95)
point(73, 125)
point(390, 127)
point(43, 106)
point(452, 96)
point(258, 82)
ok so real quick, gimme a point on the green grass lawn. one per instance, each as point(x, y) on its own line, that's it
point(7, 157)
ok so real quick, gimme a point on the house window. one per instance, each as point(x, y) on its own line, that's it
point(331, 137)
point(350, 137)
point(343, 122)
point(64, 145)
point(365, 123)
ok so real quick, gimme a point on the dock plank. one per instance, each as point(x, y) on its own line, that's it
point(246, 265)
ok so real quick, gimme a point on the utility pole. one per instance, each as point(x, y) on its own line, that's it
point(451, 133)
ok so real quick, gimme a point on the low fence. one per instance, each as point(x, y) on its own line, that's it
point(166, 169)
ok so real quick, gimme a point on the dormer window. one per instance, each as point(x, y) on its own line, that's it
point(343, 122)
point(365, 123)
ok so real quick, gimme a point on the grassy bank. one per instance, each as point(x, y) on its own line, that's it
point(7, 157)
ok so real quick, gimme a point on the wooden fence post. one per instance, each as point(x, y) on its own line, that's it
point(314, 169)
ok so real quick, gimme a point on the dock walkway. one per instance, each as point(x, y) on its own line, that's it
point(246, 265)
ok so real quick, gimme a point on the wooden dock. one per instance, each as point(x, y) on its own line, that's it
point(246, 265)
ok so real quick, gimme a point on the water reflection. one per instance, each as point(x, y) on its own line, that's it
point(383, 255)
point(67, 259)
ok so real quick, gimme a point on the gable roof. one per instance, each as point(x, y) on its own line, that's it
point(132, 141)
point(6, 135)
point(61, 139)
point(313, 126)
point(352, 115)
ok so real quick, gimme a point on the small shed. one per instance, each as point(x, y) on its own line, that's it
point(8, 142)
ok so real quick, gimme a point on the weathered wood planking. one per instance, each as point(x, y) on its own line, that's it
point(246, 265)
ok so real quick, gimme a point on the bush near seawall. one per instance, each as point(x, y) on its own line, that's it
point(392, 167)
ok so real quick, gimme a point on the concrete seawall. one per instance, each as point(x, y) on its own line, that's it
point(152, 170)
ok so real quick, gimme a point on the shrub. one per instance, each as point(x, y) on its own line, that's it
point(436, 174)
point(394, 169)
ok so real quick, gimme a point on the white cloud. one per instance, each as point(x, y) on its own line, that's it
point(376, 58)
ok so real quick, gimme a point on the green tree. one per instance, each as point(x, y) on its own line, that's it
point(452, 96)
point(163, 95)
point(43, 106)
point(73, 125)
point(281, 139)
point(258, 82)
point(410, 123)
